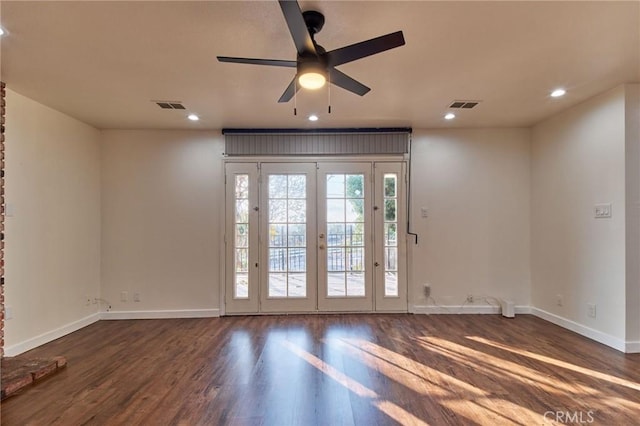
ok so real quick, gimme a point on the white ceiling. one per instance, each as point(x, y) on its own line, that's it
point(103, 62)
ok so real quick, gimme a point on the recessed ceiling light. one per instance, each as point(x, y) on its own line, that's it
point(557, 93)
point(313, 117)
point(449, 116)
point(193, 117)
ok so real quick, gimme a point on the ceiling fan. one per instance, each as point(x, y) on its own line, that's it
point(314, 64)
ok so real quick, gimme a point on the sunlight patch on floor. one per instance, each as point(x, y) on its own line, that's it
point(558, 363)
point(449, 391)
point(405, 370)
point(495, 411)
point(398, 413)
point(502, 368)
point(388, 407)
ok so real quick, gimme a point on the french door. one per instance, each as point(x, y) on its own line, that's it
point(286, 237)
point(317, 236)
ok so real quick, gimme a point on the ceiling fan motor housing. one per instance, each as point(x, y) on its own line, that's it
point(311, 64)
point(314, 21)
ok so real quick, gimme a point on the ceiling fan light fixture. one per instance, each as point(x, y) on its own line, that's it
point(312, 80)
point(311, 75)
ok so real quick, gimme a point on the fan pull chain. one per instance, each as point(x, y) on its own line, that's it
point(329, 83)
point(295, 96)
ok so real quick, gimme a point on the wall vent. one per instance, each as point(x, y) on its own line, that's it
point(169, 104)
point(464, 104)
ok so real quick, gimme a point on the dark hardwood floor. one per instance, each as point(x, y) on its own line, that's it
point(331, 370)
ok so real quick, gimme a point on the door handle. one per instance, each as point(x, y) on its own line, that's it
point(376, 264)
point(321, 246)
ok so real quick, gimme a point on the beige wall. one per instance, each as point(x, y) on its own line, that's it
point(53, 223)
point(578, 160)
point(162, 197)
point(632, 170)
point(475, 240)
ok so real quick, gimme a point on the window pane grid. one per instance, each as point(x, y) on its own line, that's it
point(287, 238)
point(390, 239)
point(241, 237)
point(345, 235)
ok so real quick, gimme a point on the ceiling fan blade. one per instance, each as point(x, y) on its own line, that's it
point(251, 61)
point(340, 79)
point(364, 48)
point(291, 90)
point(297, 27)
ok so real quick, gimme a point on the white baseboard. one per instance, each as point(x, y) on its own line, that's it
point(184, 313)
point(583, 330)
point(598, 336)
point(632, 347)
point(49, 336)
point(463, 309)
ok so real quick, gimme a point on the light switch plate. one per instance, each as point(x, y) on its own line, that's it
point(602, 211)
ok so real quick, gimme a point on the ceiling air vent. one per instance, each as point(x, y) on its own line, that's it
point(169, 105)
point(463, 104)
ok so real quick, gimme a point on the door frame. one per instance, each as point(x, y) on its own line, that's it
point(384, 303)
point(251, 303)
point(226, 269)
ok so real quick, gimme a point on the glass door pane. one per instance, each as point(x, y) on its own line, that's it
point(344, 213)
point(345, 232)
point(241, 237)
point(287, 235)
point(289, 275)
point(390, 233)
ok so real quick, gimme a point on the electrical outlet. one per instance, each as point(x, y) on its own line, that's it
point(559, 299)
point(424, 212)
point(136, 297)
point(88, 300)
point(124, 296)
point(427, 290)
point(591, 310)
point(8, 312)
point(470, 298)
